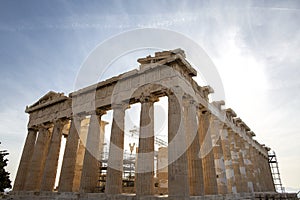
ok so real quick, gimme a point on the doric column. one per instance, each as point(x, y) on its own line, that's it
point(69, 161)
point(90, 170)
point(231, 184)
point(23, 169)
point(215, 129)
point(178, 183)
point(37, 164)
point(208, 163)
point(234, 151)
point(267, 175)
point(262, 173)
point(249, 167)
point(50, 170)
point(194, 159)
point(256, 185)
point(145, 161)
point(84, 125)
point(116, 147)
point(240, 147)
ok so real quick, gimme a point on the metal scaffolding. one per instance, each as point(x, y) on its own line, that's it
point(129, 160)
point(275, 172)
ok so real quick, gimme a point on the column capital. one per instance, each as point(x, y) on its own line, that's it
point(120, 106)
point(98, 112)
point(148, 98)
point(215, 118)
point(44, 126)
point(203, 111)
point(78, 116)
point(166, 91)
point(62, 121)
point(33, 128)
point(189, 100)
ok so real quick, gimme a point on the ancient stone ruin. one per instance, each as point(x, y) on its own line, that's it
point(211, 153)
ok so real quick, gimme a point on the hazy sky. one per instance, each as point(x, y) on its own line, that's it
point(255, 46)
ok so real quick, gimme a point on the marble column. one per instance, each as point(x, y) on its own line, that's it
point(23, 169)
point(178, 182)
point(116, 148)
point(84, 125)
point(240, 147)
point(249, 167)
point(90, 170)
point(225, 143)
point(260, 172)
point(37, 164)
point(264, 173)
point(215, 129)
point(69, 161)
point(145, 161)
point(194, 160)
point(268, 175)
point(50, 170)
point(234, 151)
point(256, 185)
point(208, 163)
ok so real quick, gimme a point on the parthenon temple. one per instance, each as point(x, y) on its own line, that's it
point(210, 153)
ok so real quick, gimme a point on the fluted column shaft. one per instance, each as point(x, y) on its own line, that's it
point(84, 125)
point(50, 170)
point(90, 170)
point(231, 184)
point(194, 159)
point(178, 183)
point(268, 179)
point(116, 147)
point(235, 160)
point(240, 147)
point(256, 184)
point(215, 127)
point(208, 163)
point(37, 164)
point(23, 169)
point(145, 160)
point(249, 167)
point(66, 180)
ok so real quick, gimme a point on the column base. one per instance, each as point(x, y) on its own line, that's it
point(101, 196)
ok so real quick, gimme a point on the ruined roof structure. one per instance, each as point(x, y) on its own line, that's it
point(211, 153)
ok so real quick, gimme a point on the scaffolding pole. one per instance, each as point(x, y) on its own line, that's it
point(275, 172)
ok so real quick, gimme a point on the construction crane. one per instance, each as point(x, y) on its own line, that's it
point(134, 132)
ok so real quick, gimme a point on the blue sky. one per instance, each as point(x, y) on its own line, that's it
point(255, 46)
